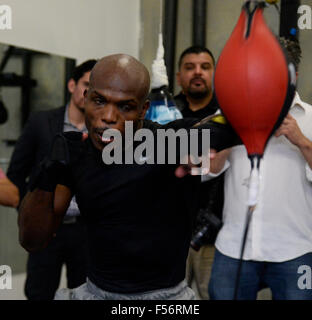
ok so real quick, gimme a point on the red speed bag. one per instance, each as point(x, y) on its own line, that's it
point(254, 83)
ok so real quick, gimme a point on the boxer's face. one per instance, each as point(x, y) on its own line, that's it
point(111, 101)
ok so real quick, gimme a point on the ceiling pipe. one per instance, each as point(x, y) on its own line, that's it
point(199, 22)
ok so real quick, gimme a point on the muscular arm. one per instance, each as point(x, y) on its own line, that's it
point(40, 215)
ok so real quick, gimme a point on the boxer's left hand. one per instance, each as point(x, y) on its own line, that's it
point(193, 169)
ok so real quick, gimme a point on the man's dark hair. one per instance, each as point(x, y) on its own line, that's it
point(293, 50)
point(80, 70)
point(196, 50)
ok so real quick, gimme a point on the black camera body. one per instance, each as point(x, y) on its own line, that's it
point(208, 226)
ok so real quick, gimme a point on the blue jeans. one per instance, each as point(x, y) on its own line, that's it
point(281, 278)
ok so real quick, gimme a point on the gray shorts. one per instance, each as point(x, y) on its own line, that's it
point(89, 291)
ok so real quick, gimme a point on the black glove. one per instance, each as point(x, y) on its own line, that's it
point(54, 168)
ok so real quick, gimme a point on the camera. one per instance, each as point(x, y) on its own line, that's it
point(208, 227)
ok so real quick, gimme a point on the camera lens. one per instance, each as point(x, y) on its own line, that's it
point(197, 240)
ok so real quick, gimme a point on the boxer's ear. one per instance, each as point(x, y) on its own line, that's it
point(145, 107)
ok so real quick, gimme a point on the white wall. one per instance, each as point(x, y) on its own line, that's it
point(80, 29)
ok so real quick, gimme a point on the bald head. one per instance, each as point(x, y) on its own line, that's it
point(121, 72)
point(118, 90)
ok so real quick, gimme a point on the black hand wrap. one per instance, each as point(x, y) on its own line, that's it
point(54, 168)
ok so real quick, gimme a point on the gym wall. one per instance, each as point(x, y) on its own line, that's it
point(221, 18)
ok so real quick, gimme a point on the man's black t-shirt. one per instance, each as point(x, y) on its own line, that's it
point(138, 225)
point(208, 110)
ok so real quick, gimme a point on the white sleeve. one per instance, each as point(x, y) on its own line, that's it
point(211, 175)
point(308, 173)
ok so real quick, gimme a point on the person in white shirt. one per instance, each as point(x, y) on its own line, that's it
point(279, 240)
